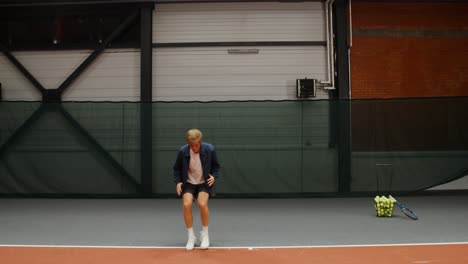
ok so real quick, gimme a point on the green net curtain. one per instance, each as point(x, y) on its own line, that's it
point(266, 148)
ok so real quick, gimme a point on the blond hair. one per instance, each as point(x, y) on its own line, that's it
point(193, 136)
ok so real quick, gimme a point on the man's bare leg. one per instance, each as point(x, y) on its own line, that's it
point(204, 210)
point(205, 218)
point(187, 200)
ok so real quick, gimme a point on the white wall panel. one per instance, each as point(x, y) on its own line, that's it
point(205, 74)
point(113, 76)
point(221, 22)
point(15, 87)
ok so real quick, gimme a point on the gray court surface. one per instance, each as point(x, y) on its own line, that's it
point(234, 222)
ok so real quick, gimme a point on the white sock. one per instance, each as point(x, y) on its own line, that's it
point(190, 232)
point(205, 229)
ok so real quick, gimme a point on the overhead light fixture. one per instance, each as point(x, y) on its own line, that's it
point(243, 51)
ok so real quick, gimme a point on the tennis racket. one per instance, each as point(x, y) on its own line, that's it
point(408, 212)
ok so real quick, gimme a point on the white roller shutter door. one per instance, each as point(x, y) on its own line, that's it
point(211, 73)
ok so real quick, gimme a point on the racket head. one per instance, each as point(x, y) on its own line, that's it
point(409, 213)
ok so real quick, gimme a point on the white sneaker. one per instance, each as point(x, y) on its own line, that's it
point(205, 240)
point(190, 243)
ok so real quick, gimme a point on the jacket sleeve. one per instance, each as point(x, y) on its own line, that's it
point(178, 167)
point(215, 166)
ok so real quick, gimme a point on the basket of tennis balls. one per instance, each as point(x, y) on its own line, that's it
point(383, 206)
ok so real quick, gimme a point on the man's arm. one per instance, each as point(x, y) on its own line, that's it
point(215, 166)
point(178, 168)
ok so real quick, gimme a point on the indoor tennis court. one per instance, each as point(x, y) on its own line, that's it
point(314, 114)
point(314, 230)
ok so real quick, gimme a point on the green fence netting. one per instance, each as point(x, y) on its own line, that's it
point(266, 148)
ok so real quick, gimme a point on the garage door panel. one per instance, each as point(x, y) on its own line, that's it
point(238, 22)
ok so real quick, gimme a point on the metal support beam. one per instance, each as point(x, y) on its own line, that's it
point(126, 176)
point(344, 145)
point(146, 96)
point(343, 93)
point(51, 95)
point(342, 50)
point(146, 59)
point(56, 94)
point(22, 69)
point(22, 185)
point(123, 26)
point(22, 129)
point(26, 126)
point(146, 146)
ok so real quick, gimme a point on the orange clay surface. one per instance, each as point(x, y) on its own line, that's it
point(415, 254)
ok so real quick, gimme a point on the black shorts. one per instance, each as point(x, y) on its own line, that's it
point(195, 189)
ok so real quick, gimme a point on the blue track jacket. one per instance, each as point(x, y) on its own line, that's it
point(208, 158)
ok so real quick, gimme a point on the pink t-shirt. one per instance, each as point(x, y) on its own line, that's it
point(195, 172)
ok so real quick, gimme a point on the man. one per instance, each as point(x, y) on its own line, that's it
point(195, 171)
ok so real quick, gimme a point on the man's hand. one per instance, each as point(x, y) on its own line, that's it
point(211, 180)
point(179, 188)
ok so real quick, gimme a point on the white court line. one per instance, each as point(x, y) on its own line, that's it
point(251, 247)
